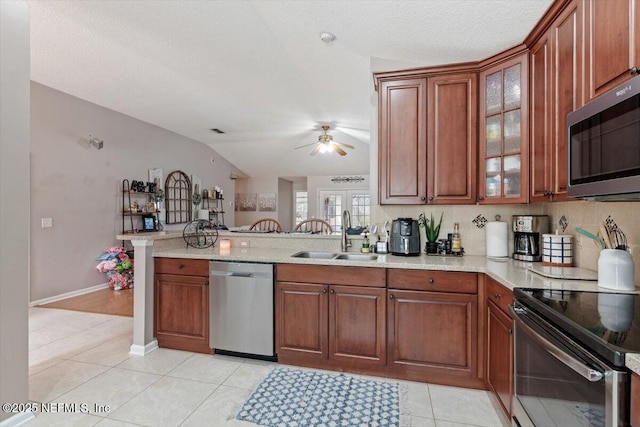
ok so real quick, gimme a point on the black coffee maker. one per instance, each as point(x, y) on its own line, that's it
point(527, 236)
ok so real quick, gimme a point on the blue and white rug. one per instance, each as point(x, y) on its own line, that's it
point(297, 398)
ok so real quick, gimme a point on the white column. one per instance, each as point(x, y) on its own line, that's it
point(143, 340)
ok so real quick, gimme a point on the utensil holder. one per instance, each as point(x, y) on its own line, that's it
point(615, 270)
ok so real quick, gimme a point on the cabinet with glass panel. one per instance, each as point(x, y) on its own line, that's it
point(504, 130)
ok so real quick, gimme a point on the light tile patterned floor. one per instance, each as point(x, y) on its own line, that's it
point(83, 359)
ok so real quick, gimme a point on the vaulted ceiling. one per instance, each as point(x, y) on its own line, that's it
point(257, 69)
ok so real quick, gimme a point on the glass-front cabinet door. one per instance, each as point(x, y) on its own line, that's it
point(503, 132)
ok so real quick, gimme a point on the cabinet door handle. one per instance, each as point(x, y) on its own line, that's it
point(431, 198)
point(510, 331)
point(481, 198)
point(634, 71)
point(332, 291)
point(497, 296)
point(324, 291)
point(423, 198)
point(431, 280)
point(391, 296)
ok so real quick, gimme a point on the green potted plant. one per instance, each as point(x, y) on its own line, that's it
point(432, 231)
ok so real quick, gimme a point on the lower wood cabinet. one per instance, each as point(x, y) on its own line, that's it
point(500, 344)
point(181, 304)
point(302, 317)
point(635, 400)
point(432, 326)
point(339, 327)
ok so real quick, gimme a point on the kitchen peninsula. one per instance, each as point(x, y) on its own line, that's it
point(467, 288)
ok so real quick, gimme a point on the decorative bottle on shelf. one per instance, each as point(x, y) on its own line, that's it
point(456, 243)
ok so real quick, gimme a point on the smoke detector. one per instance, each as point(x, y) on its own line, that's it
point(327, 38)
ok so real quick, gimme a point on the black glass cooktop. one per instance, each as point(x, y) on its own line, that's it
point(606, 323)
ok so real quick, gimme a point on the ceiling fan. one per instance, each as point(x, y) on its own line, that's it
point(326, 144)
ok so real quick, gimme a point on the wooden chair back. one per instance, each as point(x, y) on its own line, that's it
point(266, 224)
point(314, 225)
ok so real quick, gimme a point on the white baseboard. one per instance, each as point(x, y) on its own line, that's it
point(18, 419)
point(143, 350)
point(68, 295)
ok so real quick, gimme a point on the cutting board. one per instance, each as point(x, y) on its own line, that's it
point(566, 273)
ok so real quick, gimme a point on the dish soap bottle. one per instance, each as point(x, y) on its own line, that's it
point(365, 243)
point(456, 243)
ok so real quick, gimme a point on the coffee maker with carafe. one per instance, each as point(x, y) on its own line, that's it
point(527, 236)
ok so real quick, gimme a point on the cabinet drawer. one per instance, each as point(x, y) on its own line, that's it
point(430, 280)
point(333, 275)
point(182, 266)
point(499, 294)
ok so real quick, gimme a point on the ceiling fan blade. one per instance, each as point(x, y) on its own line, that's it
point(306, 145)
point(338, 149)
point(315, 150)
point(342, 144)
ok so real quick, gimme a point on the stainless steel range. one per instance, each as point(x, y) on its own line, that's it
point(570, 351)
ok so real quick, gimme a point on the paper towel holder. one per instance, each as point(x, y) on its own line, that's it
point(497, 239)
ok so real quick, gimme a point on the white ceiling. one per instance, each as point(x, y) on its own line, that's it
point(258, 69)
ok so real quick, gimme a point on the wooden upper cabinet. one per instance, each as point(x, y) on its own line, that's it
point(567, 78)
point(452, 138)
point(427, 138)
point(555, 75)
point(402, 141)
point(540, 120)
point(612, 43)
point(504, 142)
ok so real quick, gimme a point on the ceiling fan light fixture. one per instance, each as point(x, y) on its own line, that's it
point(326, 144)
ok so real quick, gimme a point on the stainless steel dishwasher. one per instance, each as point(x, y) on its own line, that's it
point(241, 309)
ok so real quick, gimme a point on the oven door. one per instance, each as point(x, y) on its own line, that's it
point(558, 383)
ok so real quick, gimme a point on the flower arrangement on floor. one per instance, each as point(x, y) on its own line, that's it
point(118, 266)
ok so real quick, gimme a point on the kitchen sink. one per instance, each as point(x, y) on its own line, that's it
point(329, 255)
point(357, 257)
point(314, 255)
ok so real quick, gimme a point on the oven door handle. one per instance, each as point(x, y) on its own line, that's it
point(576, 365)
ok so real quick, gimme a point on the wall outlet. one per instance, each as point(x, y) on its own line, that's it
point(47, 222)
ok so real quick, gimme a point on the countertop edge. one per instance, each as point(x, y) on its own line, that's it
point(508, 272)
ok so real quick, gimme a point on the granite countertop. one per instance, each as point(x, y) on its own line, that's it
point(509, 272)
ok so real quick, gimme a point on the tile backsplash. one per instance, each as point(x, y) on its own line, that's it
point(570, 215)
point(589, 215)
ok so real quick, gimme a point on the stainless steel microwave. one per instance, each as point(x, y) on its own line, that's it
point(604, 146)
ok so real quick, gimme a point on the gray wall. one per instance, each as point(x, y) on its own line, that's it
point(266, 185)
point(80, 187)
point(285, 204)
point(14, 202)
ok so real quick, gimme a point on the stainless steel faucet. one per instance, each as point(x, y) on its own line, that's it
point(346, 223)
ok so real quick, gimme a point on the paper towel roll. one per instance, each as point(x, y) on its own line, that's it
point(497, 239)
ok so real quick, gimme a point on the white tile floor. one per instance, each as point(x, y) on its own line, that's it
point(83, 358)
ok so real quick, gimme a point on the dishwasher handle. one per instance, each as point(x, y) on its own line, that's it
point(243, 274)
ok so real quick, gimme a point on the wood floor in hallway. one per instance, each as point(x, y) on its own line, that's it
point(104, 301)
